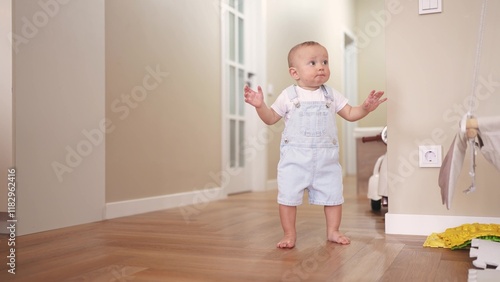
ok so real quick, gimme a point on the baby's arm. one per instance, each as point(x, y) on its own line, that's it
point(370, 104)
point(256, 99)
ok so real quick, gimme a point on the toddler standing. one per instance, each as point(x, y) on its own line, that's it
point(309, 150)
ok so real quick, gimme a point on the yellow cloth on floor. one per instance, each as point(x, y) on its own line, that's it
point(458, 235)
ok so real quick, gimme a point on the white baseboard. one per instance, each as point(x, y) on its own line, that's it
point(411, 224)
point(197, 199)
point(272, 184)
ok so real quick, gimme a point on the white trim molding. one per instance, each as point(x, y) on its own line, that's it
point(411, 224)
point(196, 201)
point(272, 184)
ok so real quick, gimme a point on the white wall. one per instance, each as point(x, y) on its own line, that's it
point(59, 90)
point(5, 98)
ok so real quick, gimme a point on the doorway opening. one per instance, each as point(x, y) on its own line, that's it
point(351, 93)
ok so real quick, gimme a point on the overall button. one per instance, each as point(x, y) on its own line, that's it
point(334, 142)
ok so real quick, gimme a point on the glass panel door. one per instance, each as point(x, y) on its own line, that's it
point(234, 73)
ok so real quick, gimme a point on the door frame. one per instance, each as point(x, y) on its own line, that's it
point(253, 177)
point(351, 93)
point(7, 150)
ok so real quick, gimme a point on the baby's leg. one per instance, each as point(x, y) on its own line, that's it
point(333, 216)
point(287, 217)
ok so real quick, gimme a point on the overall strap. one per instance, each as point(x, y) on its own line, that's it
point(292, 95)
point(327, 90)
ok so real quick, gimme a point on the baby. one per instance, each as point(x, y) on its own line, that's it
point(309, 147)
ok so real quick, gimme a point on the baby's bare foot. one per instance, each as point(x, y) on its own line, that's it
point(338, 238)
point(287, 242)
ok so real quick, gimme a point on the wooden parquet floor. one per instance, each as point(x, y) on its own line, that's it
point(232, 240)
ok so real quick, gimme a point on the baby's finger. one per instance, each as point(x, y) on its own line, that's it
point(377, 94)
point(259, 89)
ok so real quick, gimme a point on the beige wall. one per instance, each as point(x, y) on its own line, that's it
point(163, 130)
point(371, 19)
point(59, 101)
point(6, 160)
point(292, 22)
point(167, 139)
point(430, 62)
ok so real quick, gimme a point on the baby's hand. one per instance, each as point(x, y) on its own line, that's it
point(253, 98)
point(373, 100)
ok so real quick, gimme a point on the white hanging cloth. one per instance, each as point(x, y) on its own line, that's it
point(484, 134)
point(489, 134)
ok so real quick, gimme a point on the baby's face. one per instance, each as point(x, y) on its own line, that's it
point(310, 67)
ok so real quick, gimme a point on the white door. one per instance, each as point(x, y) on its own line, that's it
point(238, 18)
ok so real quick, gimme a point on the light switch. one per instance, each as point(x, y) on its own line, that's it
point(430, 6)
point(425, 4)
point(433, 4)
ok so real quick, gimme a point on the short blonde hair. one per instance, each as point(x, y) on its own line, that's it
point(292, 52)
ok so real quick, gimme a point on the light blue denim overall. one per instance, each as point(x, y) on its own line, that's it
point(309, 153)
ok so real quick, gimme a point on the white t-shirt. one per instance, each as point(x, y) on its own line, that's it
point(283, 105)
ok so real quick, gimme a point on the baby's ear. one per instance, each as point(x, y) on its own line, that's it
point(293, 73)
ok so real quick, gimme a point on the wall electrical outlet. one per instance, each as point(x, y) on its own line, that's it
point(430, 156)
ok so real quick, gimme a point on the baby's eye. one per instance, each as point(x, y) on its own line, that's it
point(312, 63)
point(325, 62)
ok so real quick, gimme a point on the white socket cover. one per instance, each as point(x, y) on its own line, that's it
point(430, 156)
